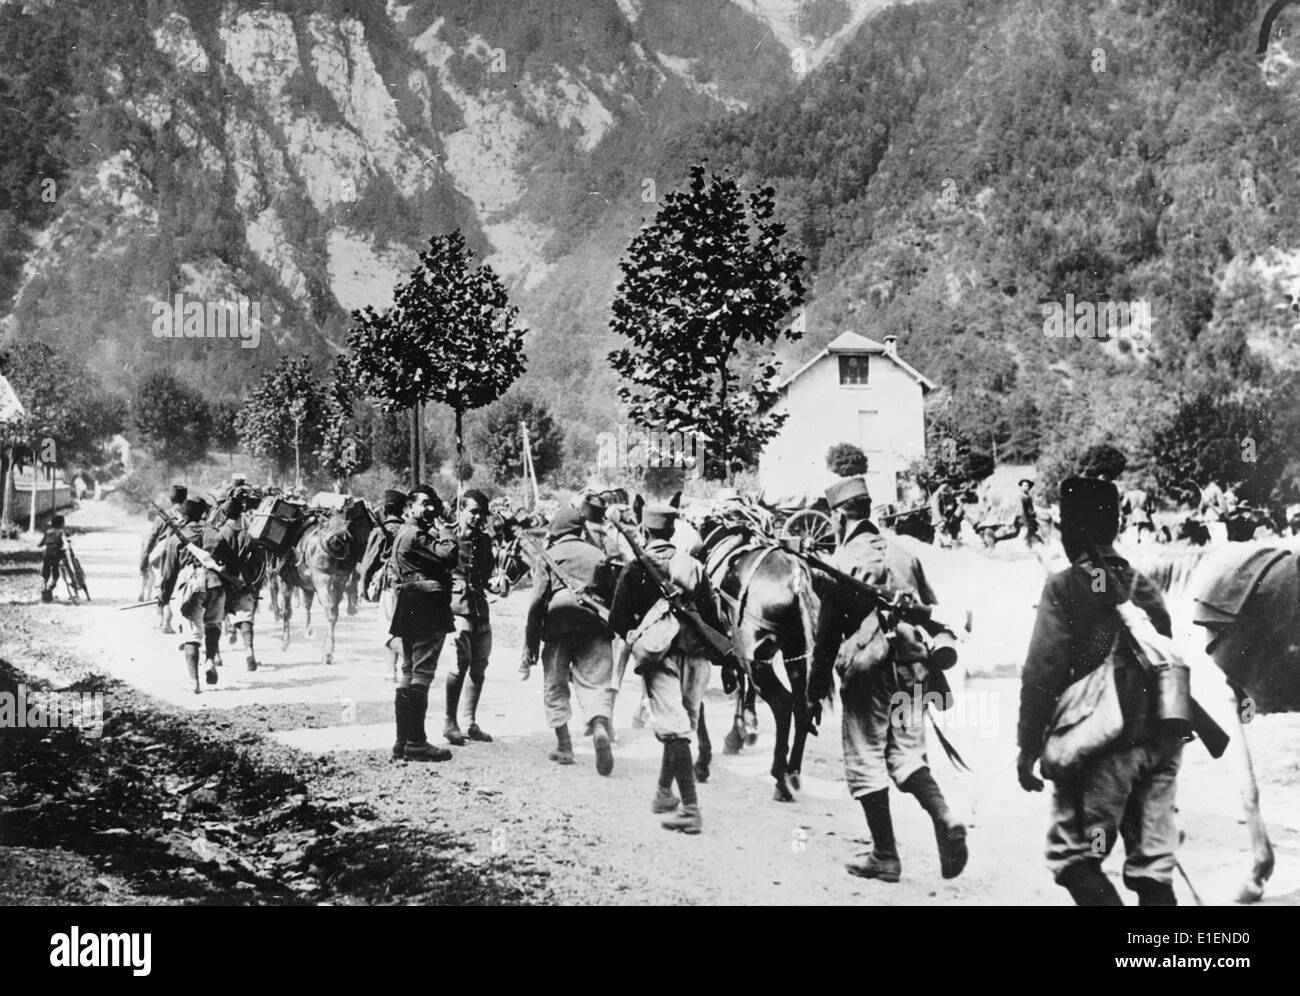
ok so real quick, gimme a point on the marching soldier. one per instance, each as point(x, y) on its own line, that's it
point(420, 565)
point(157, 533)
point(1027, 513)
point(1128, 789)
point(676, 683)
point(577, 647)
point(376, 582)
point(881, 743)
point(245, 572)
point(473, 627)
point(201, 592)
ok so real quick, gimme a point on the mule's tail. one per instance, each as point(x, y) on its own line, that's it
point(809, 609)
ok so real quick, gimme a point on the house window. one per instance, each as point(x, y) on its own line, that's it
point(853, 370)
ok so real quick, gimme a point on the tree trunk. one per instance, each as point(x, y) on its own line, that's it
point(460, 459)
point(415, 444)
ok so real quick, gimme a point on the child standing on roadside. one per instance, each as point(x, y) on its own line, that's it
point(52, 541)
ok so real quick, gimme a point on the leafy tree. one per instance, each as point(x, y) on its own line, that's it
point(501, 442)
point(225, 436)
point(708, 276)
point(171, 419)
point(284, 419)
point(63, 400)
point(451, 336)
point(1102, 460)
point(846, 460)
point(342, 452)
point(1245, 441)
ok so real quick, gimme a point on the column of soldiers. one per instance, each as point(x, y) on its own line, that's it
point(588, 603)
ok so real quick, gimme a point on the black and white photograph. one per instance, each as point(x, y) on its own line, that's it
point(650, 453)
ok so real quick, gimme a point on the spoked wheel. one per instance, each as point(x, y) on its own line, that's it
point(813, 529)
point(74, 577)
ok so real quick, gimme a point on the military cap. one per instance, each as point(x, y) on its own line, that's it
point(565, 521)
point(1090, 506)
point(238, 478)
point(593, 508)
point(394, 501)
point(659, 517)
point(179, 493)
point(846, 490)
point(1024, 480)
point(195, 509)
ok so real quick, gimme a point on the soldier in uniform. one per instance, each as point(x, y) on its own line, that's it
point(577, 646)
point(157, 533)
point(1127, 790)
point(376, 583)
point(420, 565)
point(881, 742)
point(1027, 513)
point(469, 605)
point(676, 684)
point(244, 573)
point(201, 591)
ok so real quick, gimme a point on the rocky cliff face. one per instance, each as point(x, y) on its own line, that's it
point(297, 153)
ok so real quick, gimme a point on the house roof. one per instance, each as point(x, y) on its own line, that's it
point(11, 409)
point(849, 344)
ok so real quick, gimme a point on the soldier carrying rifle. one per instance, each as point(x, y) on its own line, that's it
point(671, 647)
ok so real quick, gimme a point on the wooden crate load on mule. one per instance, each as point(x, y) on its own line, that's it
point(273, 523)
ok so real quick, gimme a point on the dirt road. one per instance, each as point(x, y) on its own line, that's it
point(565, 834)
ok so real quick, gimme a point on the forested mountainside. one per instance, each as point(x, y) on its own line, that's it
point(948, 168)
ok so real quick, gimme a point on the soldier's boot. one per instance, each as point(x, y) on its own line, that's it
point(600, 739)
point(1152, 893)
point(882, 862)
point(211, 638)
point(47, 594)
point(949, 832)
point(212, 646)
point(192, 664)
point(250, 659)
point(664, 800)
point(451, 726)
point(563, 753)
point(401, 710)
point(1088, 885)
point(472, 693)
point(687, 819)
point(417, 746)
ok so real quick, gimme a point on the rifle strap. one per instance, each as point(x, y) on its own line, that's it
point(953, 756)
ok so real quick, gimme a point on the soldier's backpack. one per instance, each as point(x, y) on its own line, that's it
point(659, 632)
point(374, 563)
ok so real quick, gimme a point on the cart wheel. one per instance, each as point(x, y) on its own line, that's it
point(814, 529)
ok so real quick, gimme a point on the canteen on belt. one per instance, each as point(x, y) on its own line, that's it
point(1174, 699)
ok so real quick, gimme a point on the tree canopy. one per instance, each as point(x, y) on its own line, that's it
point(707, 290)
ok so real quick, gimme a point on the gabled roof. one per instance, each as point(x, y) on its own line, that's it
point(850, 344)
point(11, 409)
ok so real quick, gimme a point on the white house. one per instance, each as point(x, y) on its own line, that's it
point(858, 391)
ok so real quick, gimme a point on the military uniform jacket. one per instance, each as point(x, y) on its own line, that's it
point(1074, 632)
point(178, 566)
point(555, 610)
point(473, 571)
point(247, 563)
point(637, 593)
point(422, 565)
point(867, 554)
point(379, 548)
